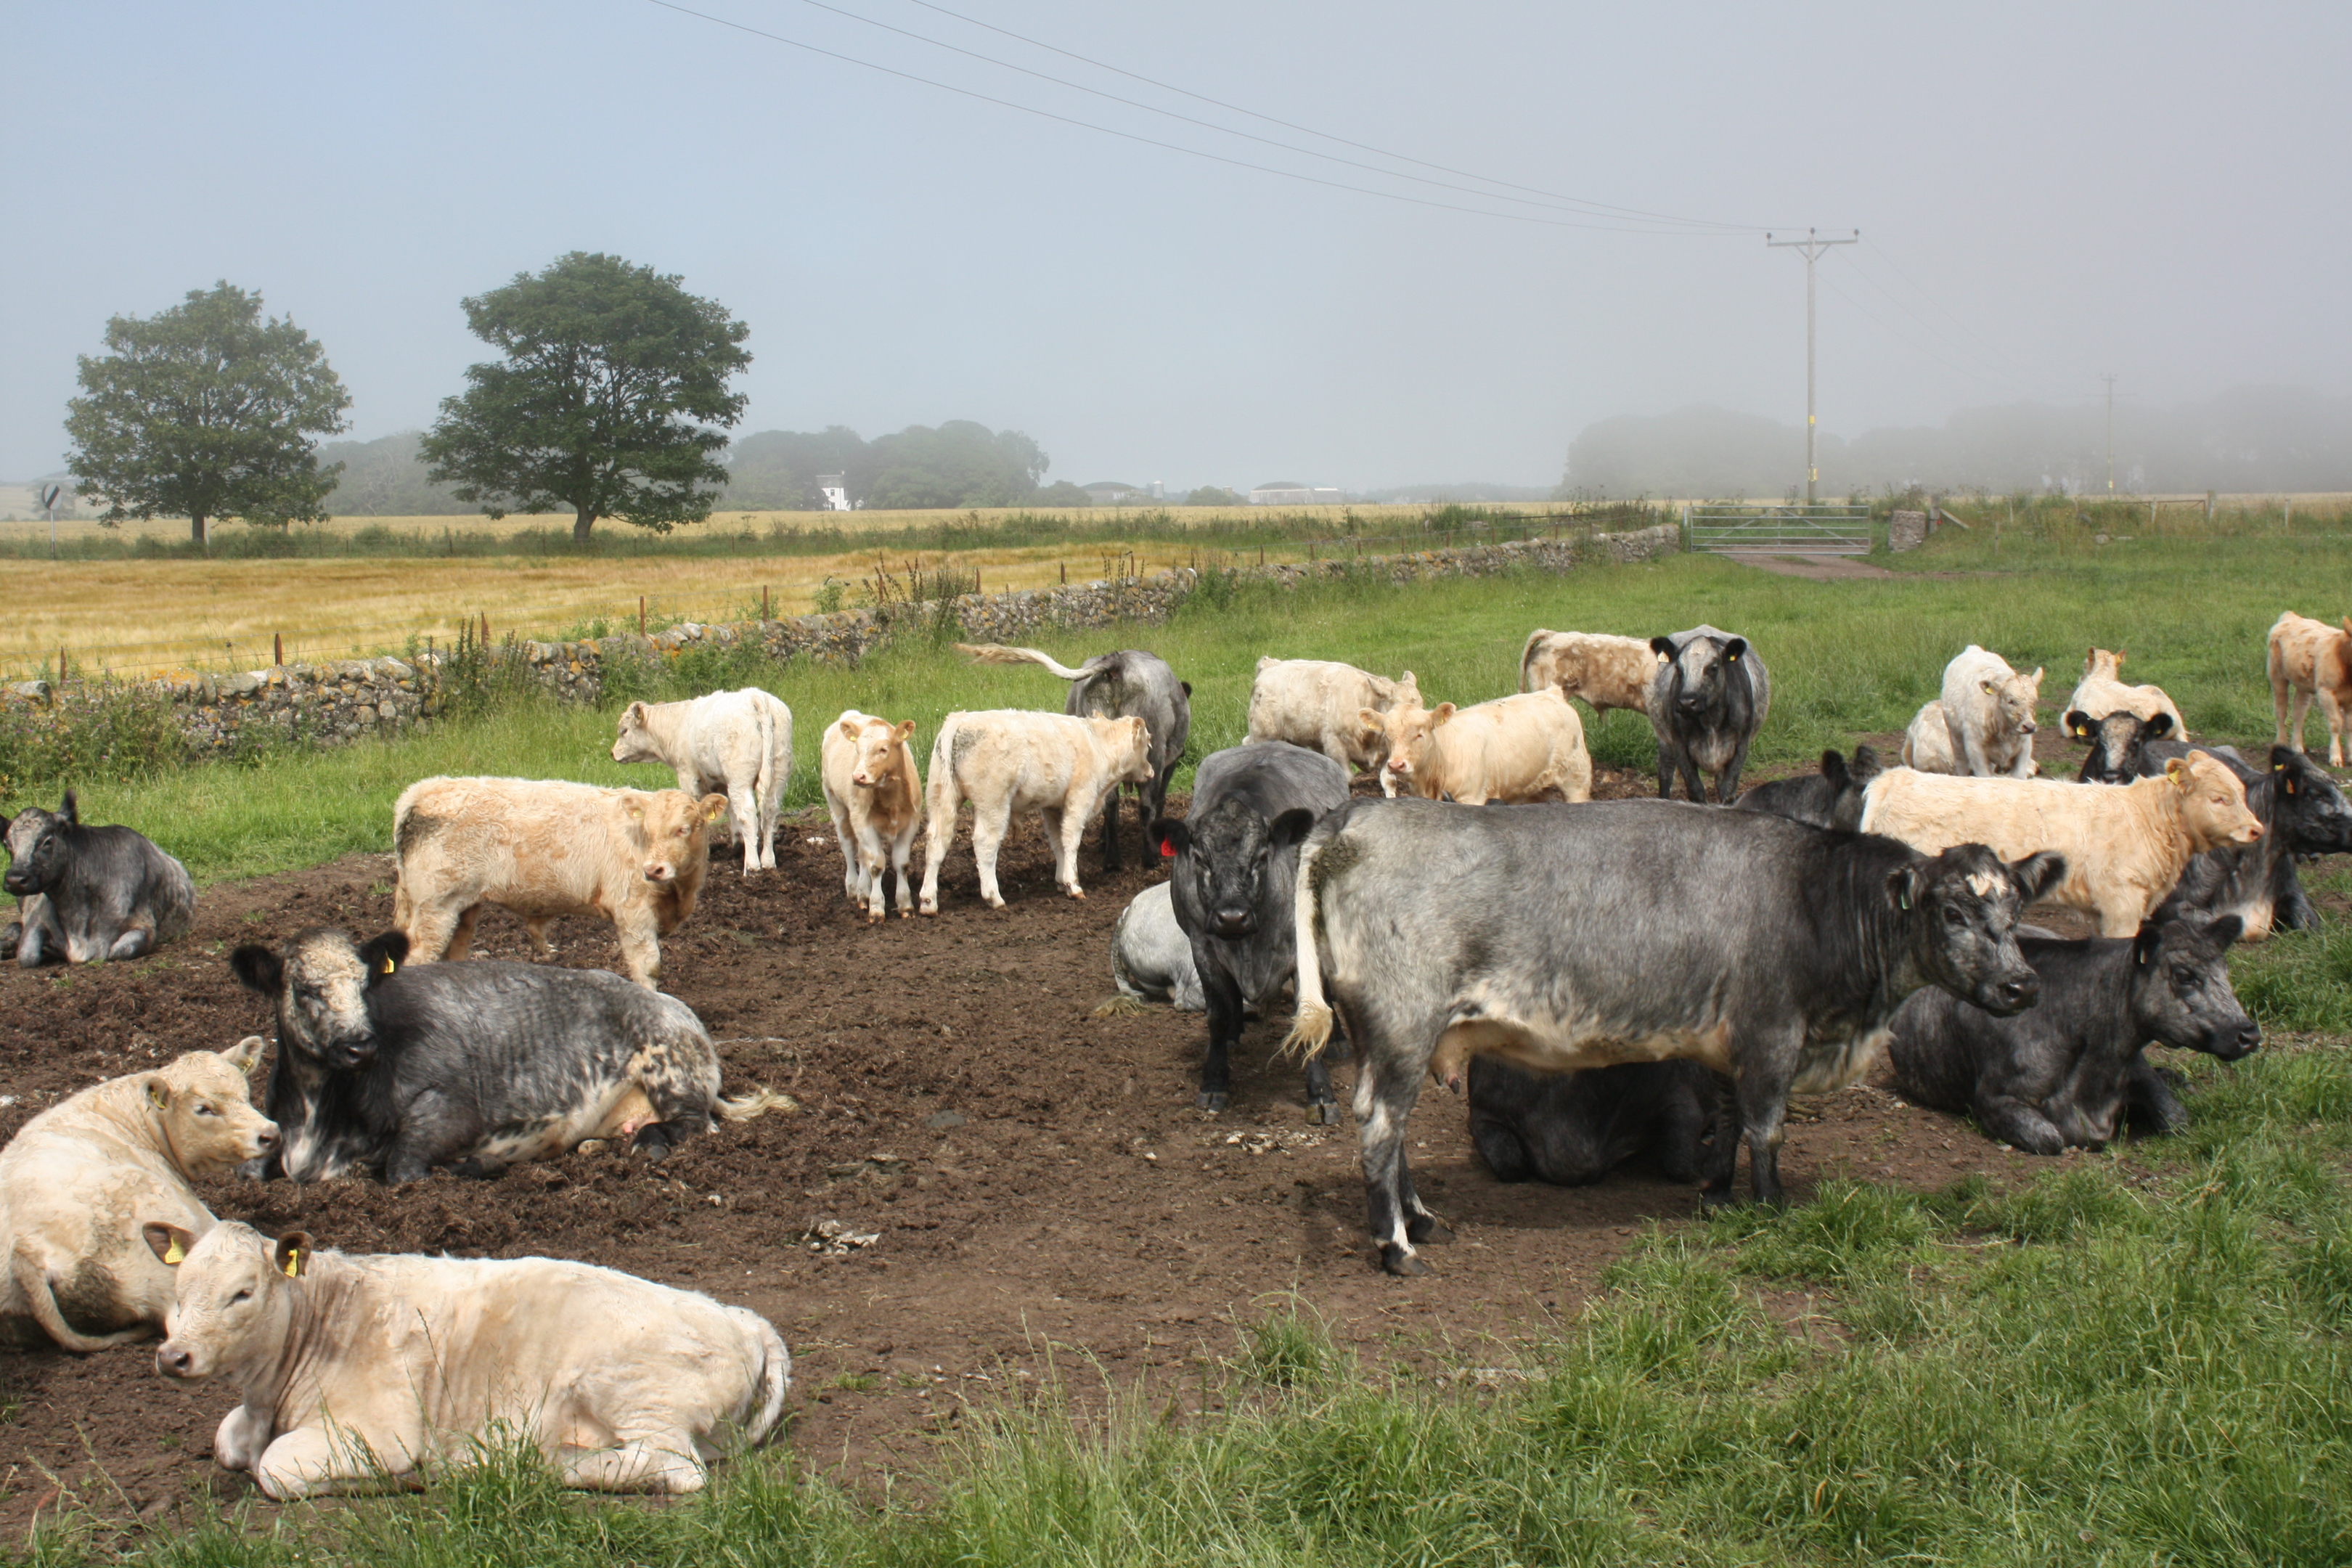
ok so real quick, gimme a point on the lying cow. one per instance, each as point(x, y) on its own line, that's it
point(1232, 883)
point(1707, 701)
point(735, 744)
point(396, 1071)
point(543, 847)
point(1317, 704)
point(355, 1371)
point(88, 894)
point(1151, 956)
point(2311, 660)
point(2303, 813)
point(2124, 844)
point(2102, 692)
point(1982, 726)
point(1830, 798)
point(1606, 671)
point(1529, 747)
point(2118, 744)
point(876, 799)
point(2067, 1073)
point(1567, 937)
point(1571, 1129)
point(1011, 761)
point(1130, 683)
point(79, 1180)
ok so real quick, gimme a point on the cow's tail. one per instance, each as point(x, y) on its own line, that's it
point(32, 1283)
point(1527, 654)
point(775, 1382)
point(997, 653)
point(1310, 1029)
point(758, 1102)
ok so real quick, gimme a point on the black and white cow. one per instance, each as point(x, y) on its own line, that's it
point(1574, 936)
point(1830, 798)
point(2118, 744)
point(2069, 1072)
point(1573, 1128)
point(88, 894)
point(1707, 700)
point(1128, 684)
point(2303, 813)
point(479, 1066)
point(1236, 862)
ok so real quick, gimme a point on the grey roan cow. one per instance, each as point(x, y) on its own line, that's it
point(2067, 1073)
point(2303, 813)
point(2116, 743)
point(1707, 700)
point(1129, 683)
point(86, 894)
point(1831, 798)
point(479, 1065)
point(1236, 874)
point(1575, 936)
point(1574, 1128)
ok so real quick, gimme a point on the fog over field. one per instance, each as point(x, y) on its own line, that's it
point(1525, 224)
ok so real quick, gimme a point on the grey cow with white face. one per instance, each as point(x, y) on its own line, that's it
point(88, 894)
point(1236, 865)
point(1707, 700)
point(1564, 937)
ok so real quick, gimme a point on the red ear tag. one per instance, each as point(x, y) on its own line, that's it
point(1167, 849)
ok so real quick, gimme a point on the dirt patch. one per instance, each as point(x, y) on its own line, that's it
point(1041, 1190)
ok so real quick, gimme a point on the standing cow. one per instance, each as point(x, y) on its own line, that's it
point(88, 894)
point(1606, 671)
point(1129, 683)
point(1987, 710)
point(1564, 937)
point(1234, 878)
point(735, 744)
point(1526, 747)
point(1010, 760)
point(1707, 701)
point(1318, 703)
point(875, 800)
point(2311, 660)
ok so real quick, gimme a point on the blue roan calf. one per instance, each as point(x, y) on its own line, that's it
point(88, 894)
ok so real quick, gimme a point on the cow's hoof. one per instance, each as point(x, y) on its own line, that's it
point(1713, 1198)
point(1426, 1230)
point(1078, 893)
point(1396, 1260)
point(1209, 1100)
point(1324, 1113)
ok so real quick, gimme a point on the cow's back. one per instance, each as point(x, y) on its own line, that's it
point(543, 841)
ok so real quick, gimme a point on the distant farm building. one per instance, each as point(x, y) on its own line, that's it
point(837, 492)
point(1289, 493)
point(1107, 492)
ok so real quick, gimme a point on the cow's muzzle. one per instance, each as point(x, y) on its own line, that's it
point(2012, 994)
point(1233, 922)
point(174, 1359)
point(658, 873)
point(17, 882)
point(265, 1142)
point(2237, 1040)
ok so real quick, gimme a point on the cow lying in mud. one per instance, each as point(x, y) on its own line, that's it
point(1571, 1129)
point(1574, 936)
point(88, 894)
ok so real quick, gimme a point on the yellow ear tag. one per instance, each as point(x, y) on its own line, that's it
point(293, 1265)
point(389, 966)
point(173, 1253)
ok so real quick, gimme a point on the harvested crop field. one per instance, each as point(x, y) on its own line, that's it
point(1043, 1197)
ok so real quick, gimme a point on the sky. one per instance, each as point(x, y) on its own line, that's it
point(2046, 195)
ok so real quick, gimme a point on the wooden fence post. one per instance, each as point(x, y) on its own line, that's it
point(61, 667)
point(763, 601)
point(277, 649)
point(641, 614)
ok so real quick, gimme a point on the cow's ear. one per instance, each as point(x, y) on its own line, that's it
point(1988, 687)
point(1290, 828)
point(2120, 656)
point(2225, 931)
point(2078, 724)
point(1866, 760)
point(292, 1255)
point(2037, 874)
point(246, 1055)
point(1441, 713)
point(714, 806)
point(1187, 686)
point(636, 714)
point(2286, 783)
point(633, 806)
point(159, 1093)
point(383, 955)
point(2177, 769)
point(2145, 942)
point(4, 825)
point(1732, 650)
point(1409, 679)
point(168, 1242)
point(1662, 647)
point(850, 729)
point(906, 731)
point(257, 968)
point(1904, 887)
point(2158, 728)
point(70, 810)
point(1833, 768)
point(2036, 677)
point(1173, 836)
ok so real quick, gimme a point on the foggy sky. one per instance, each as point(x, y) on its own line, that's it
point(2044, 194)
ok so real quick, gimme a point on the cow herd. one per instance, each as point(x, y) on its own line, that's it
point(1602, 981)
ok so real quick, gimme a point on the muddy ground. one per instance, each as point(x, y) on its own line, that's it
point(1042, 1194)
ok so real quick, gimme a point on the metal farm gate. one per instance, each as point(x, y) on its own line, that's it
point(1792, 529)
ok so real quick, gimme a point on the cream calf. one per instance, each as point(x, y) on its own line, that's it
point(1528, 747)
point(1012, 760)
point(1313, 702)
point(2102, 691)
point(736, 743)
point(2311, 659)
point(1606, 671)
point(1989, 708)
point(875, 795)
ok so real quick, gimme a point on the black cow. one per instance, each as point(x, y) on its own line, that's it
point(477, 1064)
point(1574, 936)
point(1573, 1128)
point(2118, 743)
point(1831, 798)
point(1129, 683)
point(2067, 1073)
point(88, 894)
point(1235, 872)
point(2303, 813)
point(1707, 700)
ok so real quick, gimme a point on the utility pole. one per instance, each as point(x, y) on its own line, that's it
point(1811, 248)
point(2111, 435)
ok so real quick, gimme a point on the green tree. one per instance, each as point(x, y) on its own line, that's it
point(607, 368)
point(1215, 495)
point(206, 411)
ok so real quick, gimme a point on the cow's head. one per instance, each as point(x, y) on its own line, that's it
point(1700, 681)
point(1127, 742)
point(203, 1107)
point(2117, 742)
point(1961, 911)
point(2101, 665)
point(320, 985)
point(636, 742)
point(1402, 736)
point(2306, 804)
point(2014, 698)
point(880, 745)
point(2213, 802)
point(672, 830)
point(1847, 781)
point(37, 847)
point(2180, 992)
point(1226, 860)
point(233, 1299)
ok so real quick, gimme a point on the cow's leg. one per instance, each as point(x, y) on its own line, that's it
point(310, 1460)
point(2295, 710)
point(2333, 711)
point(1693, 784)
point(1665, 772)
point(1067, 830)
point(1502, 1148)
point(1722, 1161)
point(679, 1084)
point(1322, 1105)
point(1223, 995)
point(454, 929)
point(2292, 908)
point(640, 947)
point(1110, 830)
point(28, 947)
point(902, 852)
point(852, 863)
point(535, 929)
point(1679, 1137)
point(1767, 1063)
point(1388, 1081)
point(875, 858)
point(2009, 1120)
point(242, 1438)
point(667, 1463)
point(1726, 782)
point(943, 833)
point(989, 825)
point(743, 810)
point(2150, 1103)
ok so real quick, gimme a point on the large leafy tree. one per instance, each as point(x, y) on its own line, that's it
point(611, 399)
point(204, 411)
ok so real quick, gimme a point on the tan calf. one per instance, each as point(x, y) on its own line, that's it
point(2311, 659)
point(2125, 845)
point(545, 848)
point(1606, 671)
point(2102, 691)
point(875, 795)
point(78, 1181)
point(1529, 747)
point(736, 743)
point(352, 1371)
point(1313, 702)
point(1012, 760)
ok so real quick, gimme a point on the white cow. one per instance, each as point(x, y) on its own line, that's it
point(875, 796)
point(735, 744)
point(1989, 710)
point(1527, 747)
point(1011, 760)
point(2102, 691)
point(1313, 702)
